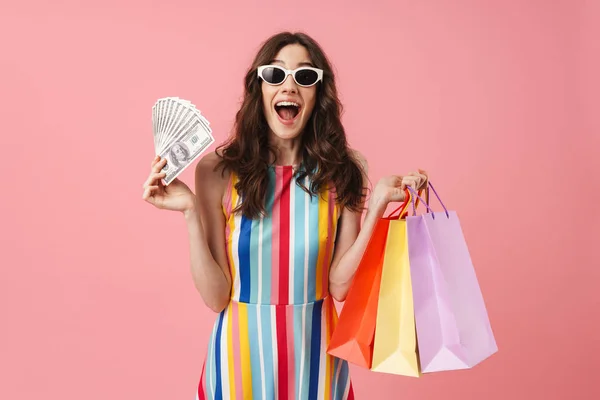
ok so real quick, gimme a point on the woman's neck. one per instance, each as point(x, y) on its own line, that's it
point(287, 151)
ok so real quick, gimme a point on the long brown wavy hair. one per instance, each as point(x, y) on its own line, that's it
point(326, 157)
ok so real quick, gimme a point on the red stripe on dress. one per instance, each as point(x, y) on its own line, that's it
point(291, 353)
point(284, 238)
point(282, 352)
point(275, 239)
point(202, 384)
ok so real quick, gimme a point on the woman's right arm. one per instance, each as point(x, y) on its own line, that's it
point(205, 223)
point(206, 232)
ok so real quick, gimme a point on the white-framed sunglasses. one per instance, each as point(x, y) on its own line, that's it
point(276, 75)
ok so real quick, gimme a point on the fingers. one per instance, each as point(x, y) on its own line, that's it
point(152, 186)
point(424, 176)
point(155, 171)
point(417, 180)
point(401, 182)
point(392, 180)
point(158, 164)
point(413, 181)
point(154, 179)
point(149, 192)
point(395, 185)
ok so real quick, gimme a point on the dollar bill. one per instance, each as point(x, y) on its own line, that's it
point(169, 105)
point(181, 134)
point(185, 149)
point(156, 137)
point(186, 116)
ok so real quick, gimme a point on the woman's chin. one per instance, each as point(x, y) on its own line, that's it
point(281, 134)
point(286, 132)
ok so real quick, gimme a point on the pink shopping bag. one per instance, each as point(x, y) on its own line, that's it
point(452, 323)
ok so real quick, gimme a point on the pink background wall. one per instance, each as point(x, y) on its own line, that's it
point(496, 99)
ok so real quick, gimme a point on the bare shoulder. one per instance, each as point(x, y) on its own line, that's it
point(208, 175)
point(207, 167)
point(360, 158)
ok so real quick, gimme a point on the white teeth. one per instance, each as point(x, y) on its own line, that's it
point(287, 103)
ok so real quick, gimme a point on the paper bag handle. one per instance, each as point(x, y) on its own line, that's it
point(408, 200)
point(404, 206)
point(426, 203)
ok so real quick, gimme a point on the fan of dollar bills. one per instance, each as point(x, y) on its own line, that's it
point(181, 134)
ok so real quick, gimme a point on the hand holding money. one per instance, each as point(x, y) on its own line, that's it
point(177, 196)
point(181, 134)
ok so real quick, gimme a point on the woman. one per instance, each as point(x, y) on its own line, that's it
point(275, 229)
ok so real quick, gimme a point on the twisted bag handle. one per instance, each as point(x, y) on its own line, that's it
point(429, 210)
point(408, 199)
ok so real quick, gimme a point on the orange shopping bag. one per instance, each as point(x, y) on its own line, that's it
point(352, 338)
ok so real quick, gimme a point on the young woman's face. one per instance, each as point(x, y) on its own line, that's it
point(287, 121)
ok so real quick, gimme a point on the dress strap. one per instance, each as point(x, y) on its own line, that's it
point(230, 196)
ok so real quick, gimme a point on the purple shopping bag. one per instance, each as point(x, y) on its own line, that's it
point(452, 323)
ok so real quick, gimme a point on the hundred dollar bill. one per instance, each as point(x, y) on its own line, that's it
point(178, 126)
point(185, 149)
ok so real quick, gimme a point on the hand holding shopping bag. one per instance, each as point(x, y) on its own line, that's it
point(415, 305)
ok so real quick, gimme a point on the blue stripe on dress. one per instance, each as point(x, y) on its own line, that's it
point(244, 254)
point(299, 242)
point(254, 263)
point(309, 309)
point(268, 346)
point(334, 387)
point(255, 351)
point(218, 383)
point(344, 376)
point(315, 351)
point(267, 239)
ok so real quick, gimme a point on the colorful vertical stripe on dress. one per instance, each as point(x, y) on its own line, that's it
point(270, 342)
point(289, 251)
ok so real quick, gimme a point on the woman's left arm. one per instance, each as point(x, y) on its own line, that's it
point(352, 239)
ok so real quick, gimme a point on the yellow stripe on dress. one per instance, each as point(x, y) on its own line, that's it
point(245, 351)
point(323, 210)
point(230, 363)
point(231, 223)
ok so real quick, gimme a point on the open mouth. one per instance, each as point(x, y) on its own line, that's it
point(287, 110)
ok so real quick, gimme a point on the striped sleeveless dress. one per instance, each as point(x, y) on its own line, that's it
point(270, 341)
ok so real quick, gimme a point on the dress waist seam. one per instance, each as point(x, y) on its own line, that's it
point(281, 304)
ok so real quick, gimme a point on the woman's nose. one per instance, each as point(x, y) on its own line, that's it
point(289, 85)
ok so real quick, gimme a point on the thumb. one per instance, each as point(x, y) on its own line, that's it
point(399, 194)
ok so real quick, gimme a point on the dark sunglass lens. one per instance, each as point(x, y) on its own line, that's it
point(273, 75)
point(306, 76)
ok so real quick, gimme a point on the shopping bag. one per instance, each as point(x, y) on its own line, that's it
point(452, 323)
point(395, 342)
point(352, 338)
